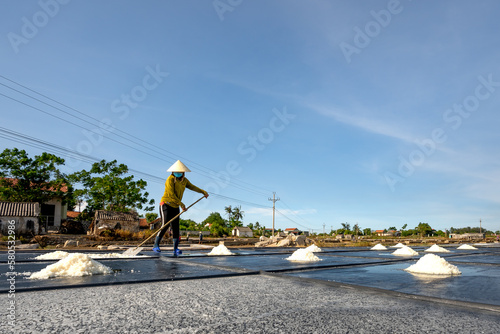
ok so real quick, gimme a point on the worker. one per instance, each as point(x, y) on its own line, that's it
point(171, 202)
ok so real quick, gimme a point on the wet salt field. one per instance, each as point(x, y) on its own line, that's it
point(478, 283)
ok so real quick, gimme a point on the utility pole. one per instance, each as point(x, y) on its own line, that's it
point(274, 199)
point(480, 228)
point(323, 228)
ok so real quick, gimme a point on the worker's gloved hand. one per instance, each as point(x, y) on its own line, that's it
point(206, 194)
point(184, 208)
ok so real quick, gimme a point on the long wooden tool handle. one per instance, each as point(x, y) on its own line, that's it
point(168, 223)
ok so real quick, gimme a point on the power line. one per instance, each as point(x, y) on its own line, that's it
point(293, 221)
point(44, 145)
point(54, 148)
point(296, 215)
point(234, 181)
point(239, 201)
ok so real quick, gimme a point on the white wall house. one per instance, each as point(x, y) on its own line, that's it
point(242, 231)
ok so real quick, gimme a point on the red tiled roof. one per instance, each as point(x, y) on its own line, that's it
point(72, 214)
point(291, 229)
point(143, 222)
point(64, 188)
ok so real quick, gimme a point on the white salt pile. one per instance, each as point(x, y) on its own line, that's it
point(72, 265)
point(400, 245)
point(57, 255)
point(220, 250)
point(432, 264)
point(303, 255)
point(437, 249)
point(313, 248)
point(404, 251)
point(379, 247)
point(466, 246)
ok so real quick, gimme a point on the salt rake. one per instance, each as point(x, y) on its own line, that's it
point(136, 250)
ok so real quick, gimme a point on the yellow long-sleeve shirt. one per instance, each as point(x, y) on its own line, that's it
point(174, 189)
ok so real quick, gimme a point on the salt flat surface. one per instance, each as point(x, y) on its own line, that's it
point(432, 264)
point(190, 306)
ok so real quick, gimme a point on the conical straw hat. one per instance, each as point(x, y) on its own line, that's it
point(178, 166)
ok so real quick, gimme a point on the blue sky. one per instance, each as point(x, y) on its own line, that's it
point(381, 113)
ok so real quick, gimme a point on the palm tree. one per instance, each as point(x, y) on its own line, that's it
point(346, 227)
point(229, 211)
point(356, 229)
point(238, 213)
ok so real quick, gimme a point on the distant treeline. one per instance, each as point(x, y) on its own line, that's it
point(469, 229)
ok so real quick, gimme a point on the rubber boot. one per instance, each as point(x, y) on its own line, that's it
point(156, 247)
point(177, 252)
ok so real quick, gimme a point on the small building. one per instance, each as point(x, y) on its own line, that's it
point(467, 236)
point(112, 220)
point(53, 212)
point(292, 230)
point(242, 231)
point(389, 233)
point(26, 217)
point(143, 224)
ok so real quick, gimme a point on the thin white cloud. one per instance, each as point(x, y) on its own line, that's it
point(290, 213)
point(369, 124)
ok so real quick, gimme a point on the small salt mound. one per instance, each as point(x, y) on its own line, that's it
point(57, 255)
point(379, 247)
point(72, 265)
point(220, 250)
point(313, 248)
point(112, 255)
point(303, 255)
point(432, 264)
point(437, 249)
point(466, 246)
point(400, 245)
point(405, 251)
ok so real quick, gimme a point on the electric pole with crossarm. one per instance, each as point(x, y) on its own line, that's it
point(274, 199)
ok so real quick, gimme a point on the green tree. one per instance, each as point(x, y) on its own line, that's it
point(218, 226)
point(188, 225)
point(150, 216)
point(346, 228)
point(423, 229)
point(238, 213)
point(229, 211)
point(404, 226)
point(367, 231)
point(38, 179)
point(356, 229)
point(107, 186)
point(393, 228)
